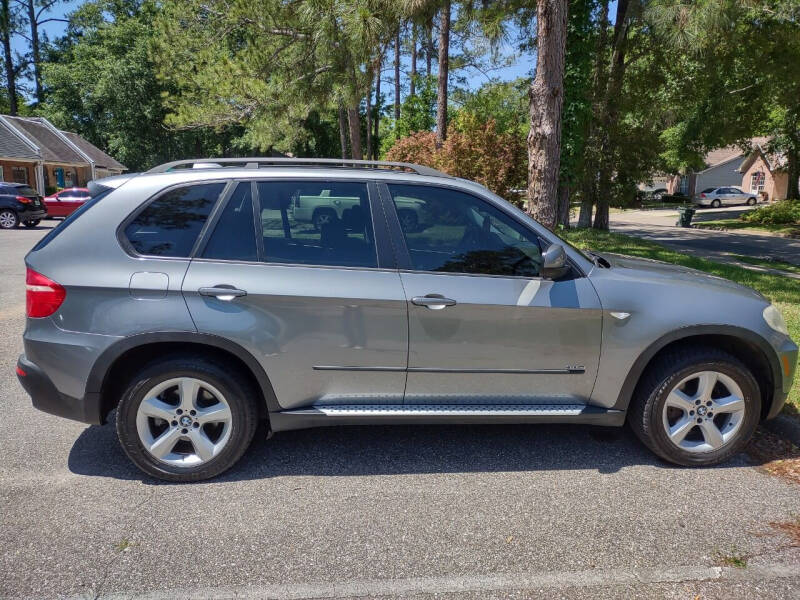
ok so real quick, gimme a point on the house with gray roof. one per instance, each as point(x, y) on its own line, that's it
point(34, 151)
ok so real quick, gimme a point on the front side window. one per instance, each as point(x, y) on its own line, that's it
point(455, 232)
point(317, 223)
point(169, 225)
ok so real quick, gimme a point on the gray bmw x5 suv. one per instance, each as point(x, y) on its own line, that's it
point(195, 302)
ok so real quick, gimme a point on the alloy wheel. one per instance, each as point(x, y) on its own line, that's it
point(704, 412)
point(184, 422)
point(8, 220)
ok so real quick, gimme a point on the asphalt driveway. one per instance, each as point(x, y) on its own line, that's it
point(472, 512)
point(659, 226)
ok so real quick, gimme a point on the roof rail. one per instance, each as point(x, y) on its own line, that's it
point(257, 162)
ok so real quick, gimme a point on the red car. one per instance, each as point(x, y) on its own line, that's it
point(65, 202)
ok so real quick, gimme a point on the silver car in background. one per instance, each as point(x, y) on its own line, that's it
point(197, 301)
point(724, 196)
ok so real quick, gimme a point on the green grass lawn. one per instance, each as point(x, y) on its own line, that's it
point(731, 224)
point(768, 264)
point(783, 291)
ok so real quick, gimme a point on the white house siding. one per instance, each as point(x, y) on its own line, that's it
point(723, 174)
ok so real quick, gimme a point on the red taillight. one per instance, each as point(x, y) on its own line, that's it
point(23, 199)
point(20, 372)
point(43, 296)
point(702, 195)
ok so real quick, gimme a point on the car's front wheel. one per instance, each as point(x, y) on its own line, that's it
point(187, 418)
point(32, 224)
point(751, 202)
point(696, 407)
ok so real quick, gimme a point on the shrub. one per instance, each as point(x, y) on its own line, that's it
point(473, 150)
point(785, 212)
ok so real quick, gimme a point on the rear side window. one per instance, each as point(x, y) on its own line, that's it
point(234, 236)
point(317, 223)
point(169, 225)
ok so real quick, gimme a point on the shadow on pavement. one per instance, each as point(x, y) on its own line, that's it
point(393, 450)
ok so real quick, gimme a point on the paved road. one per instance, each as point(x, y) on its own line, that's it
point(659, 226)
point(474, 512)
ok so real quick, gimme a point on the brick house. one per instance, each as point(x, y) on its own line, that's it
point(721, 169)
point(34, 151)
point(765, 174)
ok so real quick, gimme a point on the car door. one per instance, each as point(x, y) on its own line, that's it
point(69, 201)
point(322, 309)
point(484, 326)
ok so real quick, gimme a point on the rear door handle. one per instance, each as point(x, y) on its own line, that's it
point(222, 292)
point(433, 301)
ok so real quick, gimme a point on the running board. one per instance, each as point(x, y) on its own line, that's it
point(388, 414)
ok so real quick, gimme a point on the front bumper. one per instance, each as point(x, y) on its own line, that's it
point(48, 399)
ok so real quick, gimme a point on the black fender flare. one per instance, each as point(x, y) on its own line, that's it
point(101, 367)
point(640, 364)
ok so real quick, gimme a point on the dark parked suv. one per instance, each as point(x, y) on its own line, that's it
point(198, 302)
point(19, 203)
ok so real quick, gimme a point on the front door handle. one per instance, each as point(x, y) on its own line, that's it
point(433, 301)
point(222, 292)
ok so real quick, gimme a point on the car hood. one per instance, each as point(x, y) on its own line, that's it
point(657, 271)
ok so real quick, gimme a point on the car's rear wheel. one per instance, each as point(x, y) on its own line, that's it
point(716, 203)
point(187, 418)
point(696, 407)
point(8, 219)
point(32, 224)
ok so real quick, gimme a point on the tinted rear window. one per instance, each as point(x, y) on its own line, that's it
point(24, 190)
point(708, 190)
point(169, 225)
point(234, 237)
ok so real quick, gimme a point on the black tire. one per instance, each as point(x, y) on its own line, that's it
point(645, 413)
point(8, 219)
point(322, 217)
point(716, 203)
point(751, 202)
point(234, 385)
point(32, 224)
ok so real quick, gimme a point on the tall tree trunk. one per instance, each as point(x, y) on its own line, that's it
point(354, 119)
point(412, 88)
point(397, 76)
point(546, 103)
point(369, 117)
point(587, 197)
point(11, 75)
point(343, 131)
point(589, 185)
point(35, 49)
point(562, 214)
point(608, 122)
point(428, 46)
point(444, 66)
point(376, 140)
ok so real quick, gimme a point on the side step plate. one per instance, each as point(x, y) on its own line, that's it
point(362, 414)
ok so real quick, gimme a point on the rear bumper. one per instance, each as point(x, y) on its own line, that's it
point(33, 215)
point(47, 398)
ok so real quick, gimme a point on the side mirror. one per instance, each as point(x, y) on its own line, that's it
point(554, 262)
